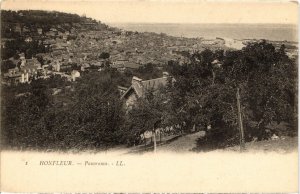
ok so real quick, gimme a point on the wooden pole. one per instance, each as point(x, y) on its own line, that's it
point(154, 140)
point(240, 121)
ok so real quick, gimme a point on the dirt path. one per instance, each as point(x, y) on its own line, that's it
point(183, 144)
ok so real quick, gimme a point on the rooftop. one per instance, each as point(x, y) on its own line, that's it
point(140, 87)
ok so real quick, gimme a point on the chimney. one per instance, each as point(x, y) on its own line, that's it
point(22, 78)
point(136, 80)
point(27, 77)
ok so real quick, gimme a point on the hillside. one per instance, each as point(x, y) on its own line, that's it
point(63, 34)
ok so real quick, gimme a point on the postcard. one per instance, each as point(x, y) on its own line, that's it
point(149, 96)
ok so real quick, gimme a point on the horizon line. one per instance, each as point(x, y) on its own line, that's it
point(202, 23)
point(152, 22)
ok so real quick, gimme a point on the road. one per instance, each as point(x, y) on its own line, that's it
point(182, 144)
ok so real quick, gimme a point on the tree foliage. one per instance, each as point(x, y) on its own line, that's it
point(91, 117)
point(88, 113)
point(204, 91)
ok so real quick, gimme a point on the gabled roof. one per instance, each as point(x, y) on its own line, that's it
point(32, 62)
point(27, 69)
point(117, 66)
point(155, 83)
point(17, 74)
point(140, 87)
point(131, 65)
point(49, 41)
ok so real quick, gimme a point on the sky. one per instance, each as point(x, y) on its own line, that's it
point(167, 11)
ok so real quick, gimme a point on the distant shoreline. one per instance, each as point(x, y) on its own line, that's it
point(232, 24)
point(243, 31)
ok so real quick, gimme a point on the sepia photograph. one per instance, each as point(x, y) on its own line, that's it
point(149, 96)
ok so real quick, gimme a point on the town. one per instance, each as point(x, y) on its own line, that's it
point(102, 81)
point(68, 48)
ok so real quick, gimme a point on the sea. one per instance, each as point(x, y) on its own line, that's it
point(273, 32)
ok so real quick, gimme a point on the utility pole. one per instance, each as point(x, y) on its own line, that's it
point(154, 139)
point(160, 135)
point(240, 121)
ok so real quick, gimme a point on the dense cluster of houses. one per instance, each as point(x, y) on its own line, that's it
point(26, 70)
point(82, 44)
